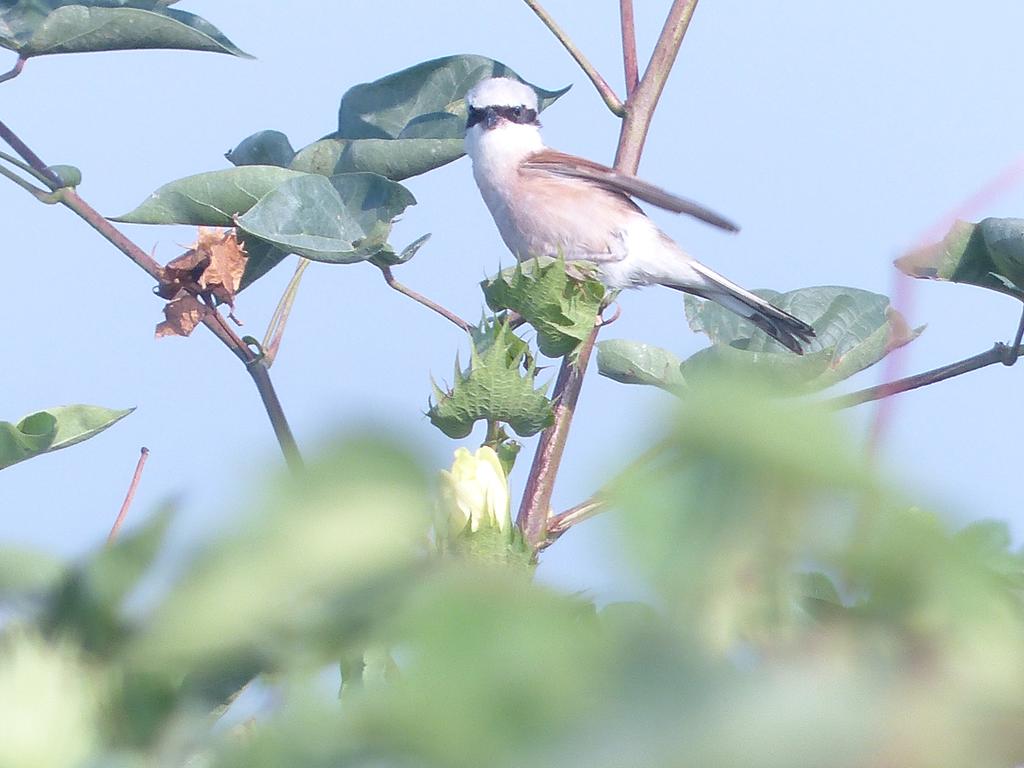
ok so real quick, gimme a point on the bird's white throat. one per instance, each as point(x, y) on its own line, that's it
point(497, 153)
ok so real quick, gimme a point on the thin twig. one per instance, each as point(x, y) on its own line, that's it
point(645, 97)
point(607, 92)
point(893, 366)
point(29, 156)
point(40, 177)
point(1014, 351)
point(13, 73)
point(282, 431)
point(215, 322)
point(433, 305)
point(629, 63)
point(32, 189)
point(129, 497)
point(70, 198)
point(1000, 353)
point(559, 524)
point(276, 326)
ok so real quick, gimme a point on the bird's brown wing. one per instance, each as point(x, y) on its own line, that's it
point(572, 167)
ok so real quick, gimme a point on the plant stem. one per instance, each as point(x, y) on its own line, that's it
point(559, 524)
point(29, 156)
point(40, 177)
point(70, 198)
point(279, 320)
point(129, 497)
point(607, 92)
point(282, 431)
point(629, 63)
point(15, 71)
point(534, 509)
point(536, 503)
point(645, 98)
point(433, 305)
point(1000, 353)
point(36, 192)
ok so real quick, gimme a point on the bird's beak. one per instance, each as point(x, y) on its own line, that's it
point(491, 118)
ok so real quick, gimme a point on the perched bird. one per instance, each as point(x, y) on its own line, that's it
point(548, 203)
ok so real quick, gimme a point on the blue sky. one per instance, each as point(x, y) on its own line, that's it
point(835, 138)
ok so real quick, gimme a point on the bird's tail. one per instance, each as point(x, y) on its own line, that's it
point(786, 329)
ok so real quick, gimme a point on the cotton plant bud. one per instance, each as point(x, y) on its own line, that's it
point(474, 493)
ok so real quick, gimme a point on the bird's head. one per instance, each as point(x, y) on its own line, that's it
point(499, 102)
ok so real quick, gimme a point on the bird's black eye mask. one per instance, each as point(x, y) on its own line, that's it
point(490, 116)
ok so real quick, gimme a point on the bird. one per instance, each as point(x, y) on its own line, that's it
point(549, 203)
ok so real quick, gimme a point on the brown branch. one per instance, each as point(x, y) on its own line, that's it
point(994, 188)
point(15, 71)
point(282, 431)
point(70, 198)
point(215, 321)
point(29, 156)
point(1000, 353)
point(606, 91)
point(629, 63)
point(129, 497)
point(644, 100)
point(559, 524)
point(429, 304)
point(536, 503)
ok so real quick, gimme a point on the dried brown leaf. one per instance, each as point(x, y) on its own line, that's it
point(223, 273)
point(214, 264)
point(183, 315)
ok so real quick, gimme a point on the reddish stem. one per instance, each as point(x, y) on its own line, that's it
point(629, 62)
point(536, 503)
point(129, 497)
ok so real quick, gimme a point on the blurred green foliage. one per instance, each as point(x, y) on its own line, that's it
point(798, 612)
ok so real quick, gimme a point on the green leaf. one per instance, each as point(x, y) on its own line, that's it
point(69, 175)
point(495, 387)
point(261, 257)
point(387, 257)
point(989, 254)
point(855, 329)
point(88, 603)
point(209, 199)
point(53, 429)
point(406, 123)
point(818, 595)
point(27, 572)
point(263, 148)
point(316, 558)
point(634, 362)
point(341, 220)
point(39, 27)
point(562, 307)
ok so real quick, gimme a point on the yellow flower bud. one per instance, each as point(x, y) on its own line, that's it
point(475, 492)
